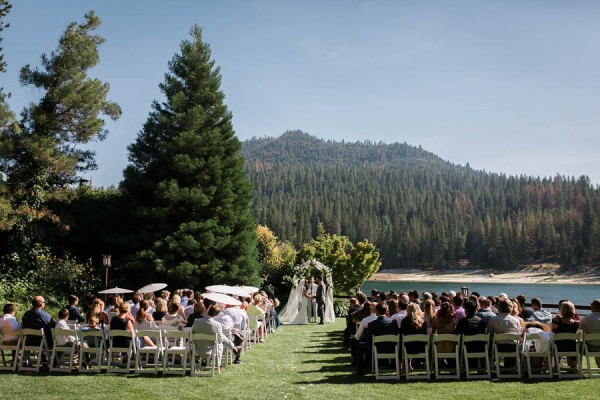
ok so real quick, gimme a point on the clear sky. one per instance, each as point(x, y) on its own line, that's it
point(510, 86)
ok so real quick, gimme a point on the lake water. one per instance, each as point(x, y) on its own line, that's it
point(549, 293)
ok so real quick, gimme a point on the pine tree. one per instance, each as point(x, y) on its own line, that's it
point(186, 181)
point(42, 154)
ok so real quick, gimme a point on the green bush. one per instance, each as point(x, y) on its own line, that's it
point(340, 307)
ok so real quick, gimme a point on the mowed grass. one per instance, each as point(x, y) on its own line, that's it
point(297, 362)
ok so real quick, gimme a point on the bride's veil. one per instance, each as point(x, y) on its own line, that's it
point(290, 310)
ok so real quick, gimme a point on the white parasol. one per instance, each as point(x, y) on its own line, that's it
point(153, 287)
point(250, 289)
point(115, 290)
point(232, 290)
point(221, 298)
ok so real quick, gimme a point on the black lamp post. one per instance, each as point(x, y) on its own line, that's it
point(107, 264)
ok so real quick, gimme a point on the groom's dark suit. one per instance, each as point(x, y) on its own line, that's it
point(321, 301)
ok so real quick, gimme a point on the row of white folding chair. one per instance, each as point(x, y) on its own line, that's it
point(424, 342)
point(25, 355)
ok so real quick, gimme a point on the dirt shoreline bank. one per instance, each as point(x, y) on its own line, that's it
point(547, 274)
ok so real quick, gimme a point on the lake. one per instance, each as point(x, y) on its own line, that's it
point(549, 293)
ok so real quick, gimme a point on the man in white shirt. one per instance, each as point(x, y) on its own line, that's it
point(402, 305)
point(360, 331)
point(9, 326)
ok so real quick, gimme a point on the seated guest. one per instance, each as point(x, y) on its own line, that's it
point(444, 322)
point(350, 325)
point(199, 311)
point(135, 303)
point(413, 324)
point(97, 310)
point(63, 316)
point(539, 314)
point(74, 314)
point(174, 317)
point(565, 324)
point(401, 314)
point(365, 321)
point(526, 313)
point(429, 313)
point(161, 309)
point(591, 324)
point(255, 310)
point(9, 326)
point(230, 332)
point(516, 312)
point(504, 322)
point(471, 325)
point(189, 309)
point(37, 318)
point(485, 311)
point(209, 325)
point(239, 316)
point(143, 319)
point(123, 323)
point(382, 325)
point(459, 312)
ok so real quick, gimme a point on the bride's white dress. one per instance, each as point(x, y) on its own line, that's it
point(302, 316)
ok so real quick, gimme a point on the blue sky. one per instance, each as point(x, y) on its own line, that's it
point(509, 86)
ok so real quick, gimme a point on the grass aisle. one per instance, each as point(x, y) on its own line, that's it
point(297, 362)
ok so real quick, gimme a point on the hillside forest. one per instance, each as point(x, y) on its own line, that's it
point(420, 211)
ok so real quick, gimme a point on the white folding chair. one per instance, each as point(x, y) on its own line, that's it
point(410, 372)
point(63, 356)
point(176, 352)
point(120, 358)
point(502, 369)
point(255, 323)
point(73, 324)
point(204, 364)
point(590, 351)
point(542, 359)
point(377, 355)
point(33, 350)
point(91, 350)
point(454, 355)
point(9, 354)
point(562, 339)
point(479, 341)
point(148, 358)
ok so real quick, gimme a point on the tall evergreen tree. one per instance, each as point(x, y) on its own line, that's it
point(43, 153)
point(190, 197)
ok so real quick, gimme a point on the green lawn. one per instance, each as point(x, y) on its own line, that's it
point(297, 362)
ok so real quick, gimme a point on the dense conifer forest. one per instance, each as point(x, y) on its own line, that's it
point(421, 211)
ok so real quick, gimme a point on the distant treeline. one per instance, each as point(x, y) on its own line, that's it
point(420, 210)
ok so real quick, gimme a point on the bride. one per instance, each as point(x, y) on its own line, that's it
point(302, 316)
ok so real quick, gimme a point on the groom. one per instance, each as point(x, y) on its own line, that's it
point(320, 299)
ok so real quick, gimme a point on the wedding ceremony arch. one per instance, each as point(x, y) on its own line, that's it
point(291, 309)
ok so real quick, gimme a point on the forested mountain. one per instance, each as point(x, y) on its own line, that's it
point(420, 210)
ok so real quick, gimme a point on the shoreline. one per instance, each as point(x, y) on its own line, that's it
point(544, 274)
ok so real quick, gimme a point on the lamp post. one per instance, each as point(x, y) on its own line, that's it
point(107, 264)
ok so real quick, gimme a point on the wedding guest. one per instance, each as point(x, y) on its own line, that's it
point(413, 324)
point(539, 314)
point(122, 322)
point(97, 310)
point(74, 314)
point(9, 326)
point(37, 318)
point(591, 324)
point(63, 316)
point(199, 311)
point(485, 311)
